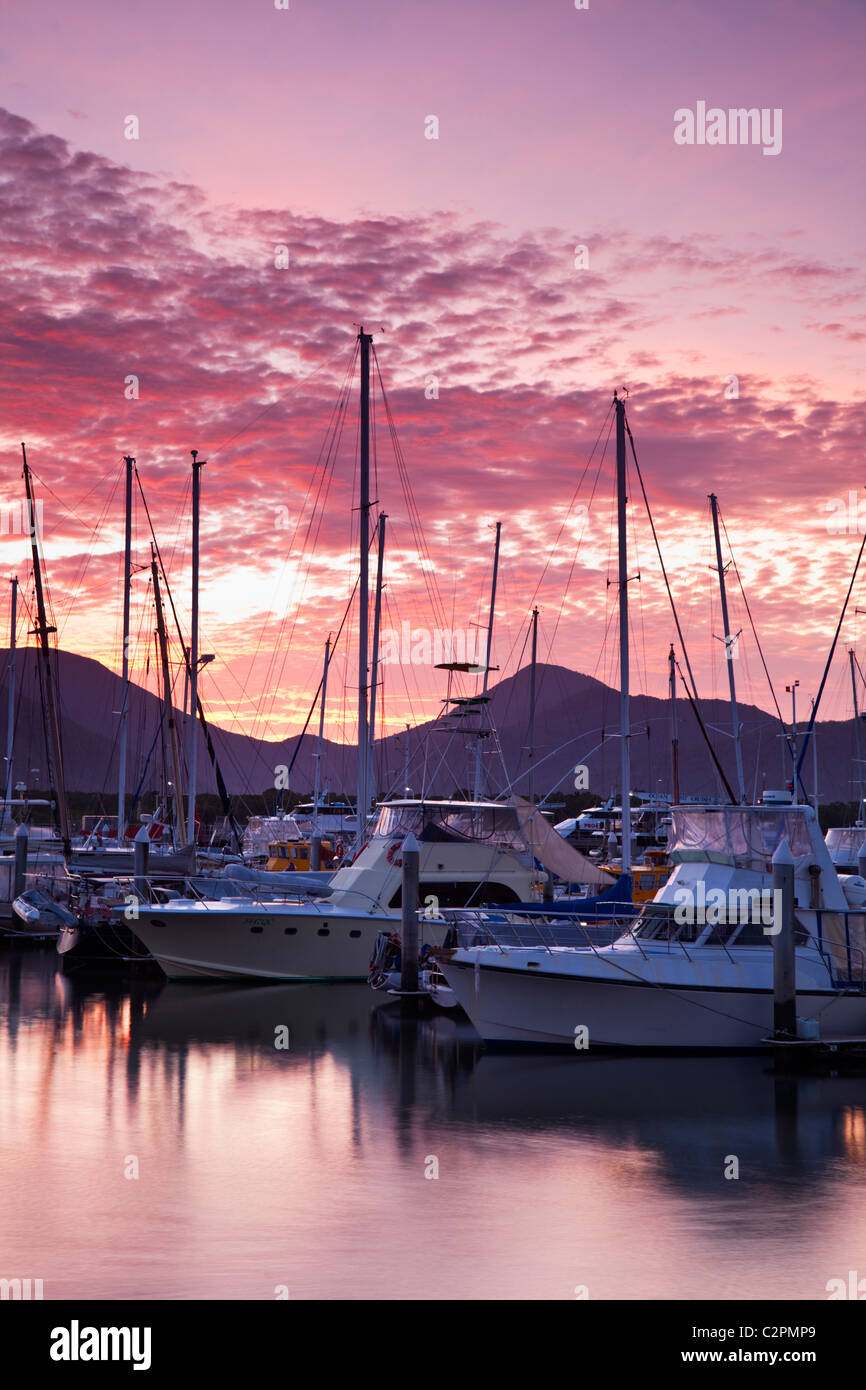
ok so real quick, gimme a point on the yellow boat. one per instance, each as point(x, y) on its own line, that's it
point(287, 855)
point(651, 875)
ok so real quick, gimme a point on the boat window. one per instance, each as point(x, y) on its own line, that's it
point(721, 934)
point(497, 826)
point(658, 923)
point(456, 894)
point(754, 934)
point(746, 838)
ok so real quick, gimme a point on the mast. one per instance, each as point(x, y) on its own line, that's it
point(792, 691)
point(814, 764)
point(675, 737)
point(321, 737)
point(735, 717)
point(625, 707)
point(406, 764)
point(192, 756)
point(477, 793)
point(10, 716)
point(856, 737)
point(532, 673)
point(178, 827)
point(365, 339)
point(377, 614)
point(42, 632)
point(124, 687)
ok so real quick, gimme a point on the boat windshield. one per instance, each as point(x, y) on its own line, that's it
point(491, 825)
point(261, 828)
point(846, 840)
point(746, 837)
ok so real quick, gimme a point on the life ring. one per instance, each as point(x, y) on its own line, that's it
point(392, 854)
point(339, 850)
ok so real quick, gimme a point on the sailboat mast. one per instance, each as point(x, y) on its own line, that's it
point(625, 706)
point(729, 653)
point(814, 763)
point(374, 679)
point(192, 755)
point(10, 716)
point(42, 632)
point(675, 736)
point(532, 675)
point(321, 738)
point(477, 791)
point(365, 339)
point(124, 685)
point(179, 831)
point(857, 737)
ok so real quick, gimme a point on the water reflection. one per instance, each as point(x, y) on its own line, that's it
point(262, 1164)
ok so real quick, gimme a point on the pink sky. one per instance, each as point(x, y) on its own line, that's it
point(257, 127)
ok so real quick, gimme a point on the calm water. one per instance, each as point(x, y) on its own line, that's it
point(305, 1167)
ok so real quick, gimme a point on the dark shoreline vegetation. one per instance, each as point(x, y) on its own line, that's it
point(264, 804)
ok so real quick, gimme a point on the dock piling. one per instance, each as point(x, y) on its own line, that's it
point(22, 841)
point(784, 960)
point(411, 856)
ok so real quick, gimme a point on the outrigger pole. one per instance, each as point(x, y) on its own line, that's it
point(10, 717)
point(192, 756)
point(124, 687)
point(42, 631)
point(168, 705)
point(729, 650)
point(484, 696)
point(809, 730)
point(624, 701)
point(365, 340)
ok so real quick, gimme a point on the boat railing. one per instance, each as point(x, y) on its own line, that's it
point(516, 928)
point(162, 890)
point(841, 941)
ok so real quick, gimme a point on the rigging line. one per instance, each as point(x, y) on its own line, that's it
point(683, 647)
point(755, 635)
point(789, 741)
point(314, 486)
point(315, 699)
point(703, 730)
point(79, 582)
point(300, 381)
point(595, 482)
point(328, 453)
point(808, 737)
point(92, 529)
point(608, 420)
point(428, 568)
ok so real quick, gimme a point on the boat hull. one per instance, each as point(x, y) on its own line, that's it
point(516, 1005)
point(224, 941)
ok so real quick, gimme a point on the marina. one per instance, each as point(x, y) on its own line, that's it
point(432, 678)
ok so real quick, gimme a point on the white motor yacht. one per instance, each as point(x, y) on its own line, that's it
point(680, 976)
point(472, 853)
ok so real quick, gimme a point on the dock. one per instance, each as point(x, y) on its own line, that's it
point(846, 1054)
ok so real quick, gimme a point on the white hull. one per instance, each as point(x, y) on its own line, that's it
point(235, 939)
point(511, 1002)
